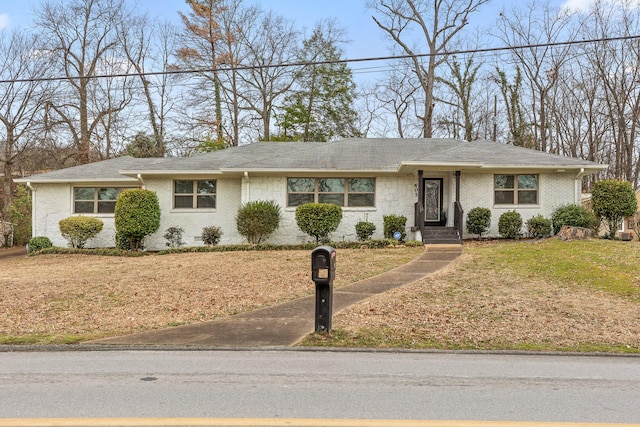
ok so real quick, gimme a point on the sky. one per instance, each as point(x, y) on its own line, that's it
point(366, 40)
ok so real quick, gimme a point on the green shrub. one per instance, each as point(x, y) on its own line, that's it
point(318, 220)
point(38, 243)
point(78, 229)
point(539, 227)
point(573, 215)
point(137, 215)
point(613, 200)
point(258, 220)
point(174, 237)
point(509, 224)
point(211, 235)
point(393, 223)
point(364, 230)
point(478, 221)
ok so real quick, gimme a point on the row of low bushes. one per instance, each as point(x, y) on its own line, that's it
point(611, 201)
point(137, 215)
point(510, 223)
point(369, 244)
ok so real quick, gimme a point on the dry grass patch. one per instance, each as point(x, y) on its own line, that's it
point(486, 300)
point(70, 298)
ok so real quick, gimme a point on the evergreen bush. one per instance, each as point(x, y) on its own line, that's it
point(78, 229)
point(509, 224)
point(318, 220)
point(539, 227)
point(137, 215)
point(393, 223)
point(211, 235)
point(478, 221)
point(364, 230)
point(573, 215)
point(613, 200)
point(38, 243)
point(258, 220)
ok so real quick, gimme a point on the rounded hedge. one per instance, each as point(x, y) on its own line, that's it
point(258, 220)
point(539, 227)
point(318, 220)
point(573, 215)
point(509, 224)
point(78, 229)
point(613, 200)
point(364, 230)
point(478, 221)
point(39, 242)
point(137, 215)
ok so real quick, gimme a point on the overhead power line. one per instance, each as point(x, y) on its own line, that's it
point(224, 67)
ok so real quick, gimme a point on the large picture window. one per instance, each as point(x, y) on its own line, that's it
point(515, 189)
point(189, 194)
point(95, 200)
point(349, 192)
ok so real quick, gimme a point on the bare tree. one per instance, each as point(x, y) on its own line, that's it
point(271, 40)
point(460, 82)
point(82, 37)
point(438, 22)
point(617, 64)
point(151, 45)
point(397, 95)
point(22, 100)
point(537, 27)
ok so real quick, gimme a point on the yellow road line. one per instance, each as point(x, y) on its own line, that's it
point(275, 422)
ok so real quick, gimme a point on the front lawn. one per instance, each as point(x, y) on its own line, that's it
point(525, 295)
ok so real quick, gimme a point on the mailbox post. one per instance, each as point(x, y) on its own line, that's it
point(323, 271)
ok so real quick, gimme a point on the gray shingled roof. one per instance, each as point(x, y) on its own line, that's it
point(352, 154)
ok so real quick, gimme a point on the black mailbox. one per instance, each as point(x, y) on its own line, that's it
point(323, 271)
point(323, 265)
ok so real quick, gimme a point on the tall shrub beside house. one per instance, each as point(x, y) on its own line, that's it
point(612, 201)
point(318, 220)
point(137, 215)
point(258, 220)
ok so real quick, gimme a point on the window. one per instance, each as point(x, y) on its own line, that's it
point(515, 189)
point(194, 194)
point(95, 200)
point(350, 192)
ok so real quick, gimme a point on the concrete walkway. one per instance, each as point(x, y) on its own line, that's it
point(286, 324)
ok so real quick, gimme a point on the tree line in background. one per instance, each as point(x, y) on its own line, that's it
point(95, 79)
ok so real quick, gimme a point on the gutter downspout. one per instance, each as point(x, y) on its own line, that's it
point(139, 177)
point(578, 187)
point(247, 192)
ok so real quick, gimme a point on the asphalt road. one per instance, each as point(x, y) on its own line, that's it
point(317, 384)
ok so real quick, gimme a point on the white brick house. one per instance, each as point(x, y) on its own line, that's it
point(430, 181)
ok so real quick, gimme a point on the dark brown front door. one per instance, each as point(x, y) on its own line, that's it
point(433, 213)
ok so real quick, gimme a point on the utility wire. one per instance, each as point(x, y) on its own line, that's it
point(225, 67)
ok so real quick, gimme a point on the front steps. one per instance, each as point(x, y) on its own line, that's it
point(441, 236)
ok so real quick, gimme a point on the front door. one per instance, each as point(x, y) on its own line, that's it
point(433, 213)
